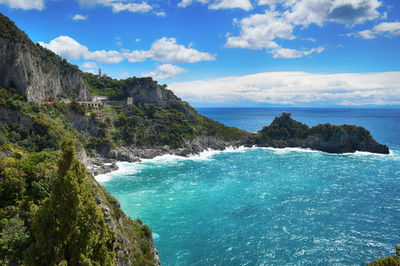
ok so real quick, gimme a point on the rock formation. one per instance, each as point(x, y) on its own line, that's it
point(286, 132)
point(34, 71)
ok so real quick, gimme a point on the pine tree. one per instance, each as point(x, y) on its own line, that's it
point(69, 229)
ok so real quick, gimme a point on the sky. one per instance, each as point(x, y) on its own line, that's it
point(230, 52)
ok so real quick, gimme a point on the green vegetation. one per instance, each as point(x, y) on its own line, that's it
point(9, 30)
point(35, 226)
point(149, 125)
point(34, 127)
point(284, 127)
point(392, 260)
point(25, 183)
point(76, 234)
point(106, 86)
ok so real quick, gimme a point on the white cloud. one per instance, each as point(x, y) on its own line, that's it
point(162, 50)
point(111, 57)
point(295, 88)
point(132, 7)
point(385, 29)
point(292, 53)
point(262, 31)
point(78, 17)
point(227, 4)
point(167, 50)
point(270, 3)
point(24, 4)
point(137, 56)
point(67, 47)
point(165, 71)
point(160, 14)
point(306, 12)
point(185, 3)
point(119, 5)
point(89, 65)
point(220, 4)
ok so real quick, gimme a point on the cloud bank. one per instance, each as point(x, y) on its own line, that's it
point(162, 50)
point(262, 31)
point(295, 88)
point(385, 29)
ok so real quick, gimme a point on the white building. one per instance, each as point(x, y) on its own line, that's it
point(129, 101)
point(99, 98)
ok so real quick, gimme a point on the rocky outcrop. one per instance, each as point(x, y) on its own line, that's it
point(146, 90)
point(34, 71)
point(191, 147)
point(286, 132)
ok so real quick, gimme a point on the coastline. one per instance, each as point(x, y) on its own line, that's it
point(100, 166)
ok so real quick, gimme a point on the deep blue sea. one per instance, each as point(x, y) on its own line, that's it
point(254, 206)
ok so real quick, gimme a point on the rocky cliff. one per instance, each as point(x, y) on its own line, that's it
point(286, 132)
point(34, 71)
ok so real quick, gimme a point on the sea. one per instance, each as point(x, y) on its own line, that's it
point(265, 206)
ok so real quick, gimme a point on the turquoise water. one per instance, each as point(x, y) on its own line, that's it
point(265, 206)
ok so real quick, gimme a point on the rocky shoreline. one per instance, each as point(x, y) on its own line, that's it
point(101, 165)
point(107, 162)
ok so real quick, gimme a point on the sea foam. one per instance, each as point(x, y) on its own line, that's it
point(125, 168)
point(135, 167)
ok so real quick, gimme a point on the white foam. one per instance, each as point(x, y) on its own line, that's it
point(285, 150)
point(132, 168)
point(365, 153)
point(202, 156)
point(298, 149)
point(123, 169)
point(103, 178)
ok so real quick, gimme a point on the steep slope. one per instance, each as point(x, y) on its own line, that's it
point(31, 136)
point(37, 73)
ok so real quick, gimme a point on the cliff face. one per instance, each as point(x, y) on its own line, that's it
point(34, 71)
point(146, 90)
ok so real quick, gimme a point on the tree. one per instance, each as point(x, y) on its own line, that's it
point(69, 228)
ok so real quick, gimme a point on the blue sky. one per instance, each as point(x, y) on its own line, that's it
point(230, 52)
